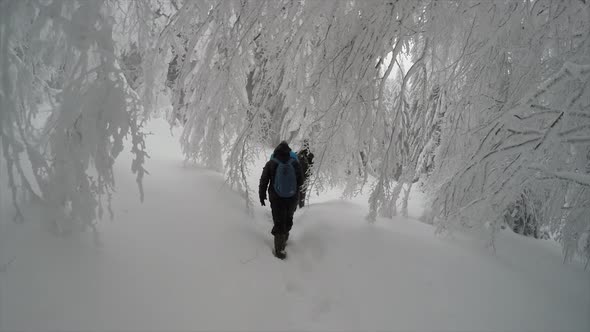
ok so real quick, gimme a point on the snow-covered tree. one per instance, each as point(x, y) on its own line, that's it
point(518, 117)
point(66, 108)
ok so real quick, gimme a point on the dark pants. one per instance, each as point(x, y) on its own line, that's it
point(282, 214)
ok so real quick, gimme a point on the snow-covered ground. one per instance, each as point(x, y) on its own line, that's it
point(191, 258)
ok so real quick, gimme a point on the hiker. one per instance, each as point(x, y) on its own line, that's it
point(283, 172)
point(306, 160)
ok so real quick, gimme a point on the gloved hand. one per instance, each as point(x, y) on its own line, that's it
point(262, 202)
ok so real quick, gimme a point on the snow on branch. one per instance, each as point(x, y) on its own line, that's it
point(579, 178)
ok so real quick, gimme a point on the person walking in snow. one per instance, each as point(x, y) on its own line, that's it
point(305, 158)
point(283, 179)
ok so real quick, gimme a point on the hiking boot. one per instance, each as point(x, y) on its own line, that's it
point(280, 255)
point(280, 246)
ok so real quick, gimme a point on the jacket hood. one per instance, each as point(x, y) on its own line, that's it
point(282, 152)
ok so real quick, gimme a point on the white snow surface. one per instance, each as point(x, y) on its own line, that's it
point(191, 258)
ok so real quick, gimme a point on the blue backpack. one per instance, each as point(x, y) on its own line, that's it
point(285, 183)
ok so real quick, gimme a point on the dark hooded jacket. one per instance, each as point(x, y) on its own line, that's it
point(306, 160)
point(281, 153)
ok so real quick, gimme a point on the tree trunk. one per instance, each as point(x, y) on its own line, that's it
point(405, 201)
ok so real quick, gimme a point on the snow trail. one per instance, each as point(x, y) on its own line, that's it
point(190, 258)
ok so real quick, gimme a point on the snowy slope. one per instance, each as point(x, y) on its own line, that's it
point(190, 258)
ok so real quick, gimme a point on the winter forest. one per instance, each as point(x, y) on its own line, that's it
point(481, 107)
